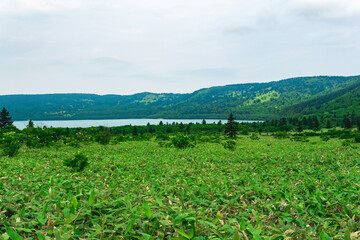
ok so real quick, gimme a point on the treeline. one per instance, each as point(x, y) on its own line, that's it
point(316, 123)
point(176, 133)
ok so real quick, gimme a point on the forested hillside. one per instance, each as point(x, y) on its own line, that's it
point(332, 105)
point(290, 97)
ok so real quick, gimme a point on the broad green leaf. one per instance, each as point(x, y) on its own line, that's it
point(322, 235)
point(236, 236)
point(182, 233)
point(4, 236)
point(12, 234)
point(92, 198)
point(44, 210)
point(218, 234)
point(147, 210)
point(129, 226)
point(192, 231)
point(146, 236)
point(40, 236)
point(255, 235)
point(158, 200)
point(22, 212)
point(242, 225)
point(70, 219)
point(24, 229)
point(57, 235)
point(178, 219)
point(347, 235)
point(277, 237)
point(207, 223)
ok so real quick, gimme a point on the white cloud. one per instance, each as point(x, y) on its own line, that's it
point(328, 9)
point(46, 6)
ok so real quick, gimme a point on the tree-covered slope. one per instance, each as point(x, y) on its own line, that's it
point(256, 100)
point(247, 101)
point(334, 104)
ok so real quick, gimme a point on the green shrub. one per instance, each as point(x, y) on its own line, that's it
point(121, 138)
point(229, 144)
point(346, 143)
point(280, 135)
point(254, 136)
point(299, 138)
point(182, 141)
point(78, 163)
point(165, 143)
point(11, 143)
point(12, 148)
point(357, 138)
point(325, 138)
point(162, 137)
point(103, 137)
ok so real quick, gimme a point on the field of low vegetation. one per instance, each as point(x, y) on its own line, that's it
point(178, 186)
point(280, 179)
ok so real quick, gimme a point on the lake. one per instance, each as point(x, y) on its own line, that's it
point(111, 122)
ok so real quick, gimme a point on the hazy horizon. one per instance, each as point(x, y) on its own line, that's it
point(128, 47)
point(163, 92)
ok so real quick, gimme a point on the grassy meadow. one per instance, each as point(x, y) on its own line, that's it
point(265, 188)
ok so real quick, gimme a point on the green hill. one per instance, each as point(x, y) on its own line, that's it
point(332, 105)
point(304, 95)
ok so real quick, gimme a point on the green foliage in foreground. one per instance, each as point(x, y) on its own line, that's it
point(264, 189)
point(78, 163)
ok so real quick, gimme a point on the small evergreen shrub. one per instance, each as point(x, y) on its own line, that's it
point(12, 148)
point(182, 141)
point(11, 143)
point(229, 144)
point(103, 137)
point(280, 135)
point(121, 138)
point(254, 136)
point(357, 138)
point(299, 138)
point(165, 144)
point(162, 137)
point(78, 163)
point(325, 138)
point(346, 143)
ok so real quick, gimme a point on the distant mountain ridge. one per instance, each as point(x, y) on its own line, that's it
point(259, 101)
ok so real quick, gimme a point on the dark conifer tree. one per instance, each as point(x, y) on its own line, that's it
point(151, 130)
point(187, 129)
point(304, 121)
point(181, 127)
point(346, 122)
point(231, 127)
point(5, 119)
point(282, 122)
point(134, 133)
point(265, 123)
point(30, 124)
point(316, 123)
point(299, 127)
point(328, 124)
point(353, 118)
point(310, 123)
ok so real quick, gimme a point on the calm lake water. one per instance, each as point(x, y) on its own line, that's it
point(111, 122)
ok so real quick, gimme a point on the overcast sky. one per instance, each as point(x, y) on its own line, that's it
point(130, 46)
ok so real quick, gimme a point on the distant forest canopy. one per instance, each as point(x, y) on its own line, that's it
point(327, 97)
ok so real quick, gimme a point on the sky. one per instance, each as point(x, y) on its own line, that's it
point(179, 46)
